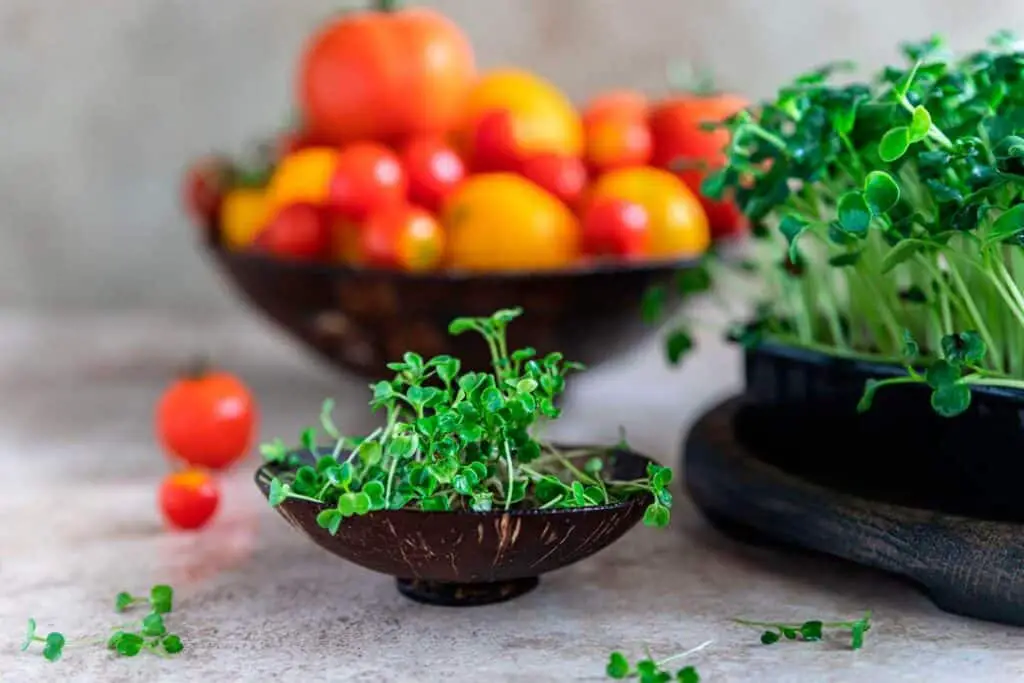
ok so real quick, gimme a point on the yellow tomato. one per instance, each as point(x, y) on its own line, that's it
point(678, 224)
point(543, 118)
point(502, 221)
point(302, 177)
point(243, 213)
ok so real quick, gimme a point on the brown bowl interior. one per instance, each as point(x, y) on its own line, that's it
point(471, 547)
point(361, 319)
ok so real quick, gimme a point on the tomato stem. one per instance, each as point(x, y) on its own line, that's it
point(388, 5)
point(197, 368)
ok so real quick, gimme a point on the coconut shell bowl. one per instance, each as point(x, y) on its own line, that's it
point(359, 319)
point(466, 558)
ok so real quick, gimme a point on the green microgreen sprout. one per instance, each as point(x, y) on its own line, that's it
point(811, 631)
point(455, 440)
point(882, 206)
point(649, 670)
point(150, 634)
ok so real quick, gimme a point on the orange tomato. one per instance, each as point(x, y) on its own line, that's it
point(678, 136)
point(243, 213)
point(302, 177)
point(502, 222)
point(434, 170)
point(617, 141)
point(298, 232)
point(543, 119)
point(565, 177)
point(678, 225)
point(188, 499)
point(628, 103)
point(207, 419)
point(404, 237)
point(367, 177)
point(382, 75)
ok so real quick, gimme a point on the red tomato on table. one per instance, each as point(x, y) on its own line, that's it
point(616, 227)
point(434, 169)
point(207, 420)
point(188, 499)
point(404, 237)
point(368, 176)
point(300, 232)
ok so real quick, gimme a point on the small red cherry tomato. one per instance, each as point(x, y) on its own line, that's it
point(203, 189)
point(563, 176)
point(404, 237)
point(493, 144)
point(207, 419)
point(616, 227)
point(367, 177)
point(434, 169)
point(188, 498)
point(299, 232)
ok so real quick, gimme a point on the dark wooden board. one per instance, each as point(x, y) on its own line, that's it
point(967, 566)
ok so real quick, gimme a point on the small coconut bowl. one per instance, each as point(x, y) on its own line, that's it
point(359, 319)
point(466, 558)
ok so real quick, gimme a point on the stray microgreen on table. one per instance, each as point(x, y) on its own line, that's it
point(457, 440)
point(811, 631)
point(149, 634)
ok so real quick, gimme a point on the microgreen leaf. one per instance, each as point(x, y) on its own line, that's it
point(30, 635)
point(618, 666)
point(53, 648)
point(854, 213)
point(153, 625)
point(792, 227)
point(161, 598)
point(951, 400)
point(172, 644)
point(920, 124)
point(894, 144)
point(123, 601)
point(1009, 225)
point(881, 192)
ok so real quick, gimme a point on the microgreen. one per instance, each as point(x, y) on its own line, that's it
point(887, 204)
point(811, 631)
point(649, 670)
point(150, 634)
point(459, 440)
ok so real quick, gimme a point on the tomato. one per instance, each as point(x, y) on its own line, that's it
point(628, 103)
point(346, 240)
point(207, 419)
point(542, 117)
point(433, 169)
point(188, 499)
point(617, 141)
point(404, 237)
point(492, 143)
point(243, 213)
point(302, 177)
point(565, 177)
point(203, 188)
point(678, 136)
point(368, 177)
point(678, 225)
point(503, 222)
point(298, 232)
point(616, 227)
point(384, 75)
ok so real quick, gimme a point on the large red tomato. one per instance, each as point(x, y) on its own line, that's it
point(678, 136)
point(385, 75)
point(207, 420)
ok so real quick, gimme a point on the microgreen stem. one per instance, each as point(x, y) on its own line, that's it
point(977, 318)
point(681, 655)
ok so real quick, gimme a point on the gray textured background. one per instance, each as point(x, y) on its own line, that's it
point(104, 101)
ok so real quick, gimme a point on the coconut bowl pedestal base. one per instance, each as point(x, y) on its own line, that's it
point(465, 594)
point(966, 563)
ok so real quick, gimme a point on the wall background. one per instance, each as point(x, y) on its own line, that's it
point(103, 102)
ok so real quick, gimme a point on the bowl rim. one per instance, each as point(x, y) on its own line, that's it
point(266, 471)
point(452, 275)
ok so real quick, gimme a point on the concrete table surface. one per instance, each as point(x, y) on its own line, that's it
point(258, 602)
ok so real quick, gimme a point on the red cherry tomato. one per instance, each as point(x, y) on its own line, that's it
point(493, 143)
point(188, 499)
point(563, 176)
point(434, 169)
point(616, 227)
point(404, 237)
point(368, 176)
point(207, 419)
point(299, 232)
point(203, 189)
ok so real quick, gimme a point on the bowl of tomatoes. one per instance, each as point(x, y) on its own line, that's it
point(409, 196)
